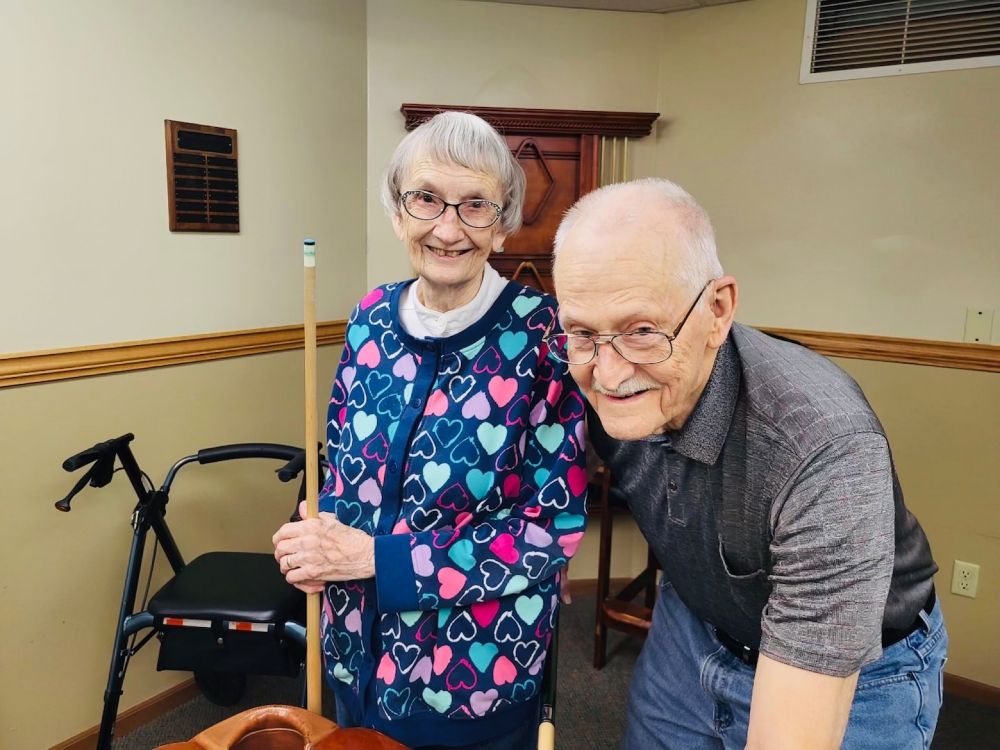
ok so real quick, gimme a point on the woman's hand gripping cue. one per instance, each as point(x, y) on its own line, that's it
point(317, 550)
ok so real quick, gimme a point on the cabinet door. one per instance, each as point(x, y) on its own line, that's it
point(559, 169)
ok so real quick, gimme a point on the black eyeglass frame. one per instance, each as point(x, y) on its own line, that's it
point(609, 338)
point(496, 207)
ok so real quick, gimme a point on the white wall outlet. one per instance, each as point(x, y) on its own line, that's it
point(978, 325)
point(965, 579)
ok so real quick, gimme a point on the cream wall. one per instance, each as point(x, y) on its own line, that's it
point(87, 258)
point(87, 255)
point(491, 54)
point(866, 206)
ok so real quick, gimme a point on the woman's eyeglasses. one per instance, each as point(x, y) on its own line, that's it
point(477, 213)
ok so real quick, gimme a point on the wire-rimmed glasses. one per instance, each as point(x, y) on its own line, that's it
point(642, 347)
point(477, 213)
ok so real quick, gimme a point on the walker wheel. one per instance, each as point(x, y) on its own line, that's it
point(221, 688)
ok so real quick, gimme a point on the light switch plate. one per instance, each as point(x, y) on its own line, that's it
point(978, 325)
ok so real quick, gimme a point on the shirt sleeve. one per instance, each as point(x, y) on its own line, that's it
point(832, 558)
point(535, 529)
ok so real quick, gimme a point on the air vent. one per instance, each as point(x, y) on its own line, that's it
point(865, 38)
point(202, 178)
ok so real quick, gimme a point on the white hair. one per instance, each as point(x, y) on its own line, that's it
point(463, 139)
point(701, 262)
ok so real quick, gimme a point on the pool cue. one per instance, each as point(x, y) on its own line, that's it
point(314, 699)
point(547, 726)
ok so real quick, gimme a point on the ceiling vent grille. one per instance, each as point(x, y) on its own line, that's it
point(202, 178)
point(866, 38)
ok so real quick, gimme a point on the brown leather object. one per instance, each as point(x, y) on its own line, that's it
point(283, 728)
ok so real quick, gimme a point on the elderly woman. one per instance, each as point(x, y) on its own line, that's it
point(457, 482)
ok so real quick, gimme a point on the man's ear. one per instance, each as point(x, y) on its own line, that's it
point(725, 295)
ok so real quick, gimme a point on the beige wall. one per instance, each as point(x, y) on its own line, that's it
point(87, 255)
point(866, 206)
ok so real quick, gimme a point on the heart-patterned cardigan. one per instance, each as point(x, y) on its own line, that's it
point(464, 458)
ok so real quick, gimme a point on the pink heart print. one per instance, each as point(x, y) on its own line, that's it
point(451, 582)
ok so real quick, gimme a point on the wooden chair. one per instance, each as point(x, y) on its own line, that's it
point(617, 610)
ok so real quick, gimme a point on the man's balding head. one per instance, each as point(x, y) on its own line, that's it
point(639, 258)
point(658, 205)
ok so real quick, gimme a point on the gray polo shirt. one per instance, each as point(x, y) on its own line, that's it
point(775, 510)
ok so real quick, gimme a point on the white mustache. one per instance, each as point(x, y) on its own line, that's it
point(627, 388)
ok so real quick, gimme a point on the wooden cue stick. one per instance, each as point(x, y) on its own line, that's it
point(314, 700)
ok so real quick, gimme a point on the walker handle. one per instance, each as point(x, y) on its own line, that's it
point(63, 504)
point(293, 468)
point(247, 450)
point(101, 450)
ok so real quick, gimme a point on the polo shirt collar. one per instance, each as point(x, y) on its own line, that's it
point(701, 438)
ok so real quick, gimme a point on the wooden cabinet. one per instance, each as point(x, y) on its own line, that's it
point(560, 152)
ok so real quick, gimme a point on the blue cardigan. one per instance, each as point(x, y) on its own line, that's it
point(464, 458)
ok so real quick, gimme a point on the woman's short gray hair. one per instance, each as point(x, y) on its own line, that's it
point(467, 141)
point(691, 220)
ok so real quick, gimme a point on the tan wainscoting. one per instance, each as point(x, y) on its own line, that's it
point(135, 717)
point(80, 362)
point(62, 364)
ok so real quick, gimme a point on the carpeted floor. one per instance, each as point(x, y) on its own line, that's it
point(590, 707)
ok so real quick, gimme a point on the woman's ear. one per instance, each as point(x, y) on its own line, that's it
point(725, 295)
point(498, 240)
point(397, 226)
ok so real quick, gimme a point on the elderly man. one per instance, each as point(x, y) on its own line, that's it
point(797, 607)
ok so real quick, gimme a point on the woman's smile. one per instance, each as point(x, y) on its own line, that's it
point(441, 253)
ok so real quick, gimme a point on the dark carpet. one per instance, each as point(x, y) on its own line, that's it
point(590, 703)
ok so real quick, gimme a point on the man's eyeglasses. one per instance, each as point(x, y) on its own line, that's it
point(477, 213)
point(642, 347)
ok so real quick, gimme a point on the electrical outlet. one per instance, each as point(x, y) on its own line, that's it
point(965, 579)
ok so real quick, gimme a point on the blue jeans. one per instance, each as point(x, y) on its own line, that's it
point(689, 693)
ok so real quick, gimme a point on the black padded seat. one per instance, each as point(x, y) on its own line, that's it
point(234, 586)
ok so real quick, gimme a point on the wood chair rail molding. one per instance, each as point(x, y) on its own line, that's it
point(951, 354)
point(543, 121)
point(62, 364)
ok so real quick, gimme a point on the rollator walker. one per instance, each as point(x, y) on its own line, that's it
point(223, 615)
